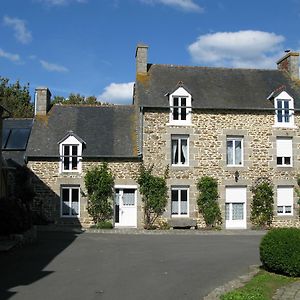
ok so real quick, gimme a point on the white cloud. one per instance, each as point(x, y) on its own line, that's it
point(9, 56)
point(120, 93)
point(22, 34)
point(53, 67)
point(61, 2)
point(246, 49)
point(187, 5)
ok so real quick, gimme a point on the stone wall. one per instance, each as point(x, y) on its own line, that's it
point(48, 181)
point(207, 153)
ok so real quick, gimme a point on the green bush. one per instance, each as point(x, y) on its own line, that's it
point(103, 225)
point(208, 201)
point(280, 251)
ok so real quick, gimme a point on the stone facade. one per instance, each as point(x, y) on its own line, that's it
point(48, 182)
point(207, 154)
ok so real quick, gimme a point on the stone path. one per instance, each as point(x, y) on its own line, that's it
point(288, 292)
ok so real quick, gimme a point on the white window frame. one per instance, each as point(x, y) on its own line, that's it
point(284, 149)
point(284, 97)
point(179, 139)
point(235, 139)
point(178, 189)
point(180, 93)
point(70, 188)
point(71, 141)
point(285, 198)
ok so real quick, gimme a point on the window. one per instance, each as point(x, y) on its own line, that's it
point(284, 110)
point(234, 151)
point(70, 158)
point(180, 107)
point(284, 151)
point(70, 150)
point(285, 196)
point(70, 201)
point(179, 201)
point(179, 150)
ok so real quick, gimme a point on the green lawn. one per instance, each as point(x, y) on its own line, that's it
point(261, 287)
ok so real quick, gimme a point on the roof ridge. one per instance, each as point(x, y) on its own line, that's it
point(210, 67)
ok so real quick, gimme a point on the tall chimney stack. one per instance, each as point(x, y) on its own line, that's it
point(141, 57)
point(42, 101)
point(290, 64)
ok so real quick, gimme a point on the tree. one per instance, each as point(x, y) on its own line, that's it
point(208, 201)
point(99, 183)
point(154, 194)
point(262, 204)
point(16, 99)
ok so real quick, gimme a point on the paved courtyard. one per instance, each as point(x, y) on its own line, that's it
point(64, 265)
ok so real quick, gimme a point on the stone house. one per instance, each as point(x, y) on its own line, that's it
point(236, 125)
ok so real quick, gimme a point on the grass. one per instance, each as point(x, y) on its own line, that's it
point(262, 287)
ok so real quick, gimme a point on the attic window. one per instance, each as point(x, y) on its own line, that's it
point(180, 107)
point(284, 110)
point(70, 150)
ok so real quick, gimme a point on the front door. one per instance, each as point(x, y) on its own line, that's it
point(235, 208)
point(125, 207)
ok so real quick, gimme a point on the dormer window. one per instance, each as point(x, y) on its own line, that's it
point(70, 150)
point(180, 107)
point(284, 109)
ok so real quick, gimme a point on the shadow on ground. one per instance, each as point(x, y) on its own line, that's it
point(25, 265)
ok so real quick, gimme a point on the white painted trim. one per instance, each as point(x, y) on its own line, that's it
point(180, 137)
point(236, 138)
point(179, 188)
point(69, 187)
point(284, 96)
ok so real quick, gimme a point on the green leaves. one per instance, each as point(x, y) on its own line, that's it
point(16, 99)
point(154, 194)
point(99, 183)
point(208, 201)
point(262, 205)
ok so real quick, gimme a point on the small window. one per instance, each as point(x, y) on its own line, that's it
point(234, 151)
point(284, 151)
point(70, 201)
point(283, 111)
point(285, 199)
point(70, 157)
point(179, 150)
point(179, 201)
point(180, 107)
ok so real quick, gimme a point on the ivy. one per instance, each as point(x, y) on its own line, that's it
point(154, 194)
point(262, 203)
point(99, 183)
point(208, 201)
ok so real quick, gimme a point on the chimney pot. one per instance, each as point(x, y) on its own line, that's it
point(290, 63)
point(42, 101)
point(141, 56)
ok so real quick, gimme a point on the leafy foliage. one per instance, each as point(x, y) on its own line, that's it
point(280, 251)
point(16, 99)
point(208, 201)
point(76, 99)
point(297, 189)
point(103, 225)
point(154, 194)
point(262, 204)
point(99, 183)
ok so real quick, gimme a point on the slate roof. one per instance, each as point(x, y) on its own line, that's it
point(108, 131)
point(15, 137)
point(214, 88)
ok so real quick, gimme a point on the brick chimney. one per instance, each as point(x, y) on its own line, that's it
point(290, 64)
point(42, 101)
point(141, 57)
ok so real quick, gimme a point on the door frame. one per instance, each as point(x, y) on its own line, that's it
point(231, 224)
point(126, 187)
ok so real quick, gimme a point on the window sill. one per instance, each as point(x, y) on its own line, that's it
point(179, 124)
point(291, 126)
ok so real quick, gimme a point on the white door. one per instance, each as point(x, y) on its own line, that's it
point(235, 208)
point(125, 207)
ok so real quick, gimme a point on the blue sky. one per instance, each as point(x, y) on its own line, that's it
point(88, 46)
